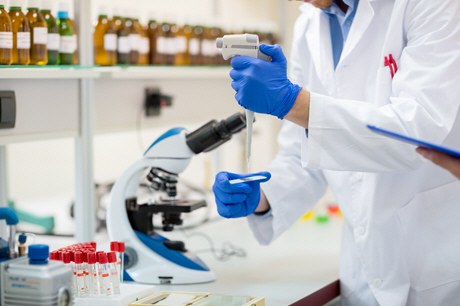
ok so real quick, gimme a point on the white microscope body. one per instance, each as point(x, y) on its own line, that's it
point(151, 258)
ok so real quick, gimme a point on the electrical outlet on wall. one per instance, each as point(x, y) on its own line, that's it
point(155, 101)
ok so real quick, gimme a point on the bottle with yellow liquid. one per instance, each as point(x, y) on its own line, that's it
point(6, 36)
point(182, 56)
point(153, 32)
point(144, 43)
point(53, 32)
point(105, 39)
point(134, 39)
point(194, 45)
point(162, 44)
point(67, 45)
point(123, 47)
point(21, 34)
point(38, 33)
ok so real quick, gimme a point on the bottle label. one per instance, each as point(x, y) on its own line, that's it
point(23, 40)
point(194, 46)
point(134, 41)
point(54, 40)
point(171, 46)
point(123, 45)
point(40, 36)
point(110, 42)
point(67, 44)
point(161, 45)
point(6, 40)
point(181, 44)
point(145, 45)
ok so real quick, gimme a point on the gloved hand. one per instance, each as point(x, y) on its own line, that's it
point(261, 86)
point(237, 200)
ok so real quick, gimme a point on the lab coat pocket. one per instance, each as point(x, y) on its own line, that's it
point(383, 87)
point(431, 224)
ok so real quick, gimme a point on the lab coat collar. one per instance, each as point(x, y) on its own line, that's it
point(317, 35)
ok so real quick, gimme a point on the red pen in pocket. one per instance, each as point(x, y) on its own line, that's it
point(390, 62)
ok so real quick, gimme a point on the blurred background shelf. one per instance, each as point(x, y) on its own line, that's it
point(48, 72)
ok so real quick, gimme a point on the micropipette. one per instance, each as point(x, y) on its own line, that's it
point(248, 45)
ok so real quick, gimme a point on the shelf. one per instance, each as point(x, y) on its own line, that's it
point(48, 72)
point(116, 72)
point(165, 72)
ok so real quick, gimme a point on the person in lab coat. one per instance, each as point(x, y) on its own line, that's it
point(390, 63)
point(442, 159)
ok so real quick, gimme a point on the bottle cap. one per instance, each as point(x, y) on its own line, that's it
point(63, 6)
point(72, 256)
point(112, 257)
point(33, 4)
point(121, 247)
point(38, 254)
point(102, 258)
point(85, 256)
point(91, 258)
point(59, 255)
point(114, 246)
point(93, 244)
point(16, 3)
point(48, 5)
point(104, 10)
point(22, 237)
point(53, 254)
point(66, 257)
point(78, 257)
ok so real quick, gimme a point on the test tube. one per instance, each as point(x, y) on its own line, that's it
point(74, 277)
point(112, 258)
point(114, 248)
point(121, 252)
point(104, 273)
point(93, 273)
point(86, 271)
point(81, 287)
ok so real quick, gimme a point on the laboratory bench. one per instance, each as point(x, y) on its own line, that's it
point(303, 260)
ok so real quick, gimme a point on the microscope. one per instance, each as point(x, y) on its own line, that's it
point(149, 257)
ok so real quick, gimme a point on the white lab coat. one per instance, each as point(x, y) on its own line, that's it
point(401, 235)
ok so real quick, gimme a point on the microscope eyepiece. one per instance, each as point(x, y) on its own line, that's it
point(213, 134)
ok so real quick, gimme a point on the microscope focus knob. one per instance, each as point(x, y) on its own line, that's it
point(175, 245)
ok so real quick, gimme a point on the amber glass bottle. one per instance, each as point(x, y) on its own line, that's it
point(67, 44)
point(163, 43)
point(207, 44)
point(144, 44)
point(134, 39)
point(21, 34)
point(38, 34)
point(153, 31)
point(123, 47)
point(6, 37)
point(195, 45)
point(182, 56)
point(105, 39)
point(53, 40)
point(216, 57)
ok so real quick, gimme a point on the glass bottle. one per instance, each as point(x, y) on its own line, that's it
point(182, 57)
point(123, 47)
point(172, 44)
point(53, 39)
point(153, 32)
point(207, 55)
point(21, 34)
point(75, 42)
point(164, 32)
point(105, 39)
point(134, 40)
point(67, 39)
point(6, 37)
point(144, 43)
point(195, 45)
point(38, 34)
point(216, 56)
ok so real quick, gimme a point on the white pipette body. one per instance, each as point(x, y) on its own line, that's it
point(248, 45)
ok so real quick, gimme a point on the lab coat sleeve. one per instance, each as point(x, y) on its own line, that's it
point(292, 190)
point(424, 102)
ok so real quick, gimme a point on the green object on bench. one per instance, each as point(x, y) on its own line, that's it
point(46, 222)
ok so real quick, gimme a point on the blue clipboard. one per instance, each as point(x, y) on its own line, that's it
point(413, 141)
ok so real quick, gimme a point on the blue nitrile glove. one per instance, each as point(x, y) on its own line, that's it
point(237, 200)
point(261, 86)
